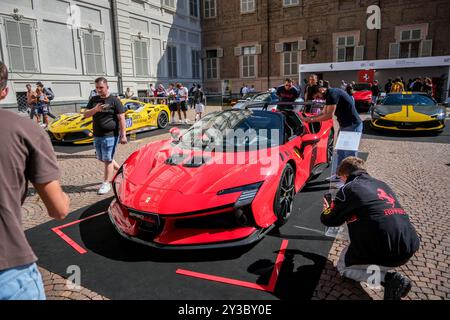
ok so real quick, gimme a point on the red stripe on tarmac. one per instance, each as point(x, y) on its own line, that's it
point(221, 279)
point(277, 268)
point(79, 221)
point(69, 240)
point(269, 288)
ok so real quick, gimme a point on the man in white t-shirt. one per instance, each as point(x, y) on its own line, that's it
point(182, 98)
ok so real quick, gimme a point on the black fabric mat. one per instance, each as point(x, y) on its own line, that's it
point(120, 269)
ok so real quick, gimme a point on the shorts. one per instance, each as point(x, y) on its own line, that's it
point(105, 148)
point(22, 283)
point(173, 106)
point(183, 106)
point(42, 110)
point(199, 108)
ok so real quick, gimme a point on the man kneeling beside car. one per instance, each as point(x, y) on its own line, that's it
point(381, 234)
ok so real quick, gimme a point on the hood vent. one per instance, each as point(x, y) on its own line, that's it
point(196, 162)
point(176, 159)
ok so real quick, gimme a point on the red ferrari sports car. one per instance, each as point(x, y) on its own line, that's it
point(225, 182)
point(363, 96)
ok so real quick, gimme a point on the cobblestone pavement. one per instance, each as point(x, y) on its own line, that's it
point(418, 172)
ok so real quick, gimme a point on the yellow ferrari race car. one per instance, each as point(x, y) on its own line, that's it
point(75, 128)
point(408, 111)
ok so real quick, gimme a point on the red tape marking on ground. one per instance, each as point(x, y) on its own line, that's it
point(269, 288)
point(69, 240)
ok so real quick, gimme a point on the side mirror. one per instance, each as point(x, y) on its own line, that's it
point(175, 133)
point(310, 139)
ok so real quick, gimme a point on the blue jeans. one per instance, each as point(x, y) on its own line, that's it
point(21, 283)
point(343, 154)
point(105, 148)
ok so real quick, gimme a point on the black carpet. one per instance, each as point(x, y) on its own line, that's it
point(120, 269)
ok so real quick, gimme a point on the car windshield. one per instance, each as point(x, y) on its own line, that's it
point(234, 130)
point(361, 87)
point(408, 99)
point(261, 97)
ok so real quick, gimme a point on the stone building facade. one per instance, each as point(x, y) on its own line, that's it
point(260, 42)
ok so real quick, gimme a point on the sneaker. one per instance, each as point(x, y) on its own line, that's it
point(105, 188)
point(396, 286)
point(186, 121)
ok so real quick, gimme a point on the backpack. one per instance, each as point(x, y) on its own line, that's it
point(49, 93)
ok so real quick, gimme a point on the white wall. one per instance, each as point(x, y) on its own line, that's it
point(159, 27)
point(59, 48)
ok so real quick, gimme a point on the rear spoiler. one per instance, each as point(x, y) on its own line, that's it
point(158, 100)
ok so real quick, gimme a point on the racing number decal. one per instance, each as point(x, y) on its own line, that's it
point(129, 122)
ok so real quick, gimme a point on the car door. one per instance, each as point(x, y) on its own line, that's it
point(301, 153)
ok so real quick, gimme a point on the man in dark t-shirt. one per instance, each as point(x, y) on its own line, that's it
point(313, 80)
point(338, 103)
point(109, 128)
point(27, 155)
point(288, 92)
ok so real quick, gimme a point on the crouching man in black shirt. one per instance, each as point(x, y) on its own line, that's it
point(381, 234)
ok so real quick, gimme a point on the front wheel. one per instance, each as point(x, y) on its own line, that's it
point(163, 119)
point(284, 198)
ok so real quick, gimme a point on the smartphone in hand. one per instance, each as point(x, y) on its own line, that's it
point(328, 199)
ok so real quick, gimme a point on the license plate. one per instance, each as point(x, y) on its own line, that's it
point(147, 217)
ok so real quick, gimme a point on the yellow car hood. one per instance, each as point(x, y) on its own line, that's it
point(407, 113)
point(70, 122)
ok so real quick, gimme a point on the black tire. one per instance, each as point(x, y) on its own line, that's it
point(284, 198)
point(330, 147)
point(163, 120)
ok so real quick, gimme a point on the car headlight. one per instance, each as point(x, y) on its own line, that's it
point(248, 193)
point(118, 180)
point(377, 114)
point(439, 116)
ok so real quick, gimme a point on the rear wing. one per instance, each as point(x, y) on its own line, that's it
point(154, 100)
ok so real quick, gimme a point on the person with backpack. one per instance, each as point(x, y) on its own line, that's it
point(397, 86)
point(50, 96)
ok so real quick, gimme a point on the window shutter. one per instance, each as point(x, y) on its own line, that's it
point(359, 53)
point(279, 47)
point(340, 55)
point(238, 51)
point(426, 48)
point(219, 52)
point(258, 49)
point(394, 50)
point(302, 45)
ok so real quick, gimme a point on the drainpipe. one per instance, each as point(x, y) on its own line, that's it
point(378, 34)
point(269, 64)
point(116, 45)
